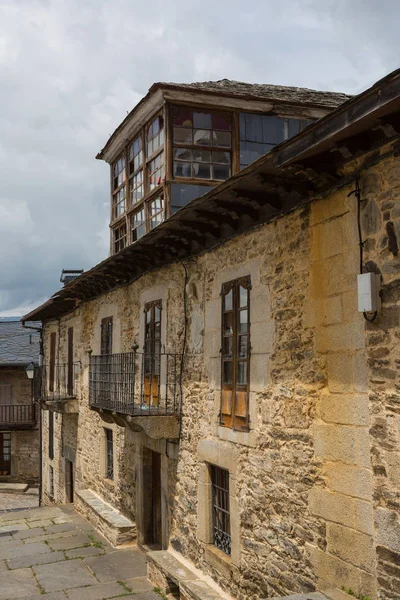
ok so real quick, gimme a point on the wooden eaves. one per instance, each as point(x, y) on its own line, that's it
point(290, 175)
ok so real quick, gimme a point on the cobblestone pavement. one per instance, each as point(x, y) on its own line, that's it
point(52, 553)
point(18, 501)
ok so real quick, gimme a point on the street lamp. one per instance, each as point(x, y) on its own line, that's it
point(30, 370)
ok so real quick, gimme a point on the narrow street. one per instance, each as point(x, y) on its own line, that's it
point(53, 552)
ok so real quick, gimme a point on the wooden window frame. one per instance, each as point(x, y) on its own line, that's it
point(160, 211)
point(234, 410)
point(140, 169)
point(52, 360)
point(115, 190)
point(228, 115)
point(120, 240)
point(70, 362)
point(152, 357)
point(106, 336)
point(141, 209)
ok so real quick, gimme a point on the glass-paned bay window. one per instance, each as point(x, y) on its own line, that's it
point(156, 211)
point(136, 170)
point(155, 136)
point(120, 238)
point(138, 225)
point(119, 187)
point(201, 144)
point(156, 171)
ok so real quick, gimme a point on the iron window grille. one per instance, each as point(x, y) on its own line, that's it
point(110, 454)
point(221, 519)
point(51, 482)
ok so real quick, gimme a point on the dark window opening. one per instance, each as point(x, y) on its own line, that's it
point(106, 335)
point(52, 361)
point(70, 364)
point(152, 352)
point(109, 454)
point(183, 193)
point(51, 435)
point(221, 519)
point(51, 482)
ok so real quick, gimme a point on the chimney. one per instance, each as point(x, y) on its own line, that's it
point(68, 275)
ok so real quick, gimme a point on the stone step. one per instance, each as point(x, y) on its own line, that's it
point(171, 576)
point(13, 488)
point(116, 528)
point(312, 596)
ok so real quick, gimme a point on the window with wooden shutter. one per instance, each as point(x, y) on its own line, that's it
point(152, 352)
point(106, 335)
point(235, 354)
point(52, 361)
point(70, 363)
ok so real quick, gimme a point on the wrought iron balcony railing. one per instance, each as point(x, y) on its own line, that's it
point(58, 382)
point(17, 415)
point(135, 384)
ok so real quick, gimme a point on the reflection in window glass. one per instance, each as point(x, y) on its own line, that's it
point(138, 222)
point(119, 202)
point(135, 155)
point(119, 238)
point(156, 211)
point(137, 187)
point(155, 135)
point(202, 142)
point(156, 171)
point(183, 193)
point(119, 172)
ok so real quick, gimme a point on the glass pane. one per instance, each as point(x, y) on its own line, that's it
point(254, 128)
point(202, 137)
point(148, 315)
point(182, 194)
point(219, 122)
point(202, 120)
point(242, 373)
point(220, 172)
point(154, 221)
point(243, 321)
point(273, 130)
point(157, 314)
point(228, 323)
point(182, 154)
point(182, 116)
point(182, 135)
point(228, 304)
point(182, 169)
point(201, 155)
point(243, 295)
point(293, 127)
point(222, 138)
point(221, 157)
point(249, 152)
point(227, 372)
point(201, 170)
point(242, 346)
point(228, 347)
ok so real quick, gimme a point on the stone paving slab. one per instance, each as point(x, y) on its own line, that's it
point(101, 591)
point(119, 565)
point(31, 561)
point(312, 596)
point(84, 552)
point(16, 584)
point(54, 596)
point(22, 534)
point(68, 574)
point(69, 542)
point(24, 550)
point(139, 584)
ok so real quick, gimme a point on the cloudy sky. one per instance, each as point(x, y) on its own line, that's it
point(71, 69)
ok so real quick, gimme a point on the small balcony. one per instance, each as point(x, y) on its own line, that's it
point(139, 391)
point(58, 387)
point(17, 416)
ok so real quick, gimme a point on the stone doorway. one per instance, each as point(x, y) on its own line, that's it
point(5, 454)
point(69, 481)
point(152, 513)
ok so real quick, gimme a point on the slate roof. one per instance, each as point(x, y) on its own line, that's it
point(294, 95)
point(18, 346)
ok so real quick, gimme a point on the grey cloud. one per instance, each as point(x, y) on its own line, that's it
point(70, 71)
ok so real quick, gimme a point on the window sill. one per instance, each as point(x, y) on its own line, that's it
point(217, 559)
point(109, 483)
point(244, 438)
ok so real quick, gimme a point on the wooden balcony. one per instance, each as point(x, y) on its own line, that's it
point(17, 416)
point(140, 391)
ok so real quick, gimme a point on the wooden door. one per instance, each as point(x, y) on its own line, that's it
point(156, 498)
point(152, 353)
point(5, 453)
point(69, 480)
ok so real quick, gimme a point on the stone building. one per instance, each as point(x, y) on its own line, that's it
point(231, 403)
point(19, 430)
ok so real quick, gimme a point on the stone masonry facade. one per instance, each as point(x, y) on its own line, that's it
point(315, 484)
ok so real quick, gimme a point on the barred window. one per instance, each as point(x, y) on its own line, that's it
point(106, 336)
point(109, 454)
point(51, 482)
point(221, 519)
point(51, 434)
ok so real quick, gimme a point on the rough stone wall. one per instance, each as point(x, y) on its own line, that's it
point(323, 403)
point(381, 231)
point(24, 443)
